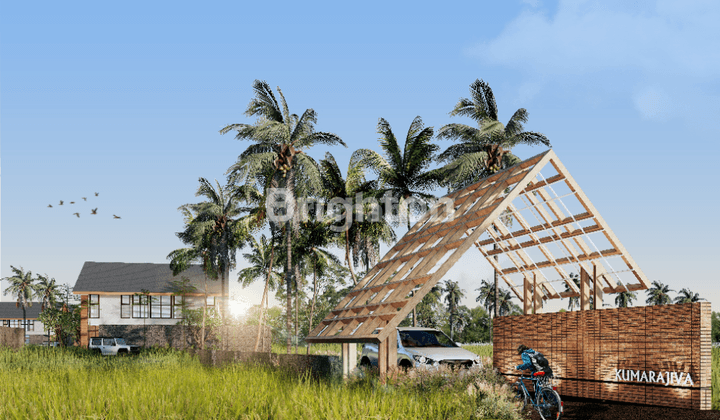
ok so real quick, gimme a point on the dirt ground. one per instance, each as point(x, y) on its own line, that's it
point(579, 408)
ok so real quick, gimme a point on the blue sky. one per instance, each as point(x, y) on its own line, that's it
point(126, 99)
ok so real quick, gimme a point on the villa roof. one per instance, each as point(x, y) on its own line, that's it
point(128, 278)
point(531, 222)
point(8, 310)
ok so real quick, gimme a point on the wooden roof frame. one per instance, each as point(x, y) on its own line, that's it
point(382, 299)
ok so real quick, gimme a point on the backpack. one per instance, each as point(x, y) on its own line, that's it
point(540, 363)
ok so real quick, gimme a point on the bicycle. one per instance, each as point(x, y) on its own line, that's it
point(547, 401)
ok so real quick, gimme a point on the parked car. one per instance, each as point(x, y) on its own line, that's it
point(424, 348)
point(108, 346)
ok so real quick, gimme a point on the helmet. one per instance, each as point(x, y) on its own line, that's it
point(522, 348)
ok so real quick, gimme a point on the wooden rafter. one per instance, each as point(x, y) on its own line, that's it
point(419, 260)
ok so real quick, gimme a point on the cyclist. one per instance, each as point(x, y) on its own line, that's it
point(533, 360)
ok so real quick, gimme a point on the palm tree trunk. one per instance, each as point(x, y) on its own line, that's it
point(312, 308)
point(225, 303)
point(347, 256)
point(264, 296)
point(297, 287)
point(288, 285)
point(24, 323)
point(290, 209)
point(204, 315)
point(452, 328)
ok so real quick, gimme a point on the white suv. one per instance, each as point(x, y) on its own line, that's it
point(112, 346)
point(425, 348)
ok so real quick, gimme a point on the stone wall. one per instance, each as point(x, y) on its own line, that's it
point(656, 355)
point(241, 338)
point(148, 336)
point(315, 365)
point(12, 337)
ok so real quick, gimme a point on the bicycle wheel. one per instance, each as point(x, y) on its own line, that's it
point(521, 396)
point(549, 404)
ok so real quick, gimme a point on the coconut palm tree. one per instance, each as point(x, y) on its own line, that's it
point(658, 294)
point(453, 294)
point(487, 296)
point(23, 288)
point(199, 251)
point(280, 140)
point(363, 232)
point(311, 247)
point(47, 290)
point(218, 221)
point(485, 150)
point(262, 259)
point(403, 171)
point(625, 299)
point(687, 296)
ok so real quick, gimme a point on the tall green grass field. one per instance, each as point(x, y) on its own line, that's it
point(55, 383)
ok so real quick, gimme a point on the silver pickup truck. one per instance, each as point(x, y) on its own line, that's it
point(112, 346)
point(425, 348)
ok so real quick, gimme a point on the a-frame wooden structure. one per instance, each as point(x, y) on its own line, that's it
point(531, 222)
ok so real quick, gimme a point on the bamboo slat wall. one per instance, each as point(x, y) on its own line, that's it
point(586, 348)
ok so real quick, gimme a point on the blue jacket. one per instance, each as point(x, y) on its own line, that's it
point(527, 363)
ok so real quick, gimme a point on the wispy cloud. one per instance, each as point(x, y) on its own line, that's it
point(656, 43)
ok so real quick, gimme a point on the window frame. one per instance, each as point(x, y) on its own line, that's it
point(94, 306)
point(124, 306)
point(157, 302)
point(176, 307)
point(143, 307)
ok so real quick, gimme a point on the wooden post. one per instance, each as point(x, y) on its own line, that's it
point(84, 338)
point(537, 296)
point(349, 358)
point(345, 359)
point(597, 290)
point(392, 351)
point(382, 359)
point(527, 296)
point(584, 290)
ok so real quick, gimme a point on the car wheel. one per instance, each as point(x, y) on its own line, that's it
point(405, 365)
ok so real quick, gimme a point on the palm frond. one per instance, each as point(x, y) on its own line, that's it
point(264, 104)
point(531, 138)
point(457, 131)
point(389, 144)
point(515, 125)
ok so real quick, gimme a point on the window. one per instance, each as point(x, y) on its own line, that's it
point(177, 307)
point(125, 306)
point(96, 341)
point(108, 342)
point(94, 306)
point(161, 307)
point(211, 301)
point(18, 323)
point(140, 306)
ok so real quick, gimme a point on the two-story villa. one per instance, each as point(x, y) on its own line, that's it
point(112, 295)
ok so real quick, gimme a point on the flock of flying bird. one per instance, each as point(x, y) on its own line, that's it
point(93, 211)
